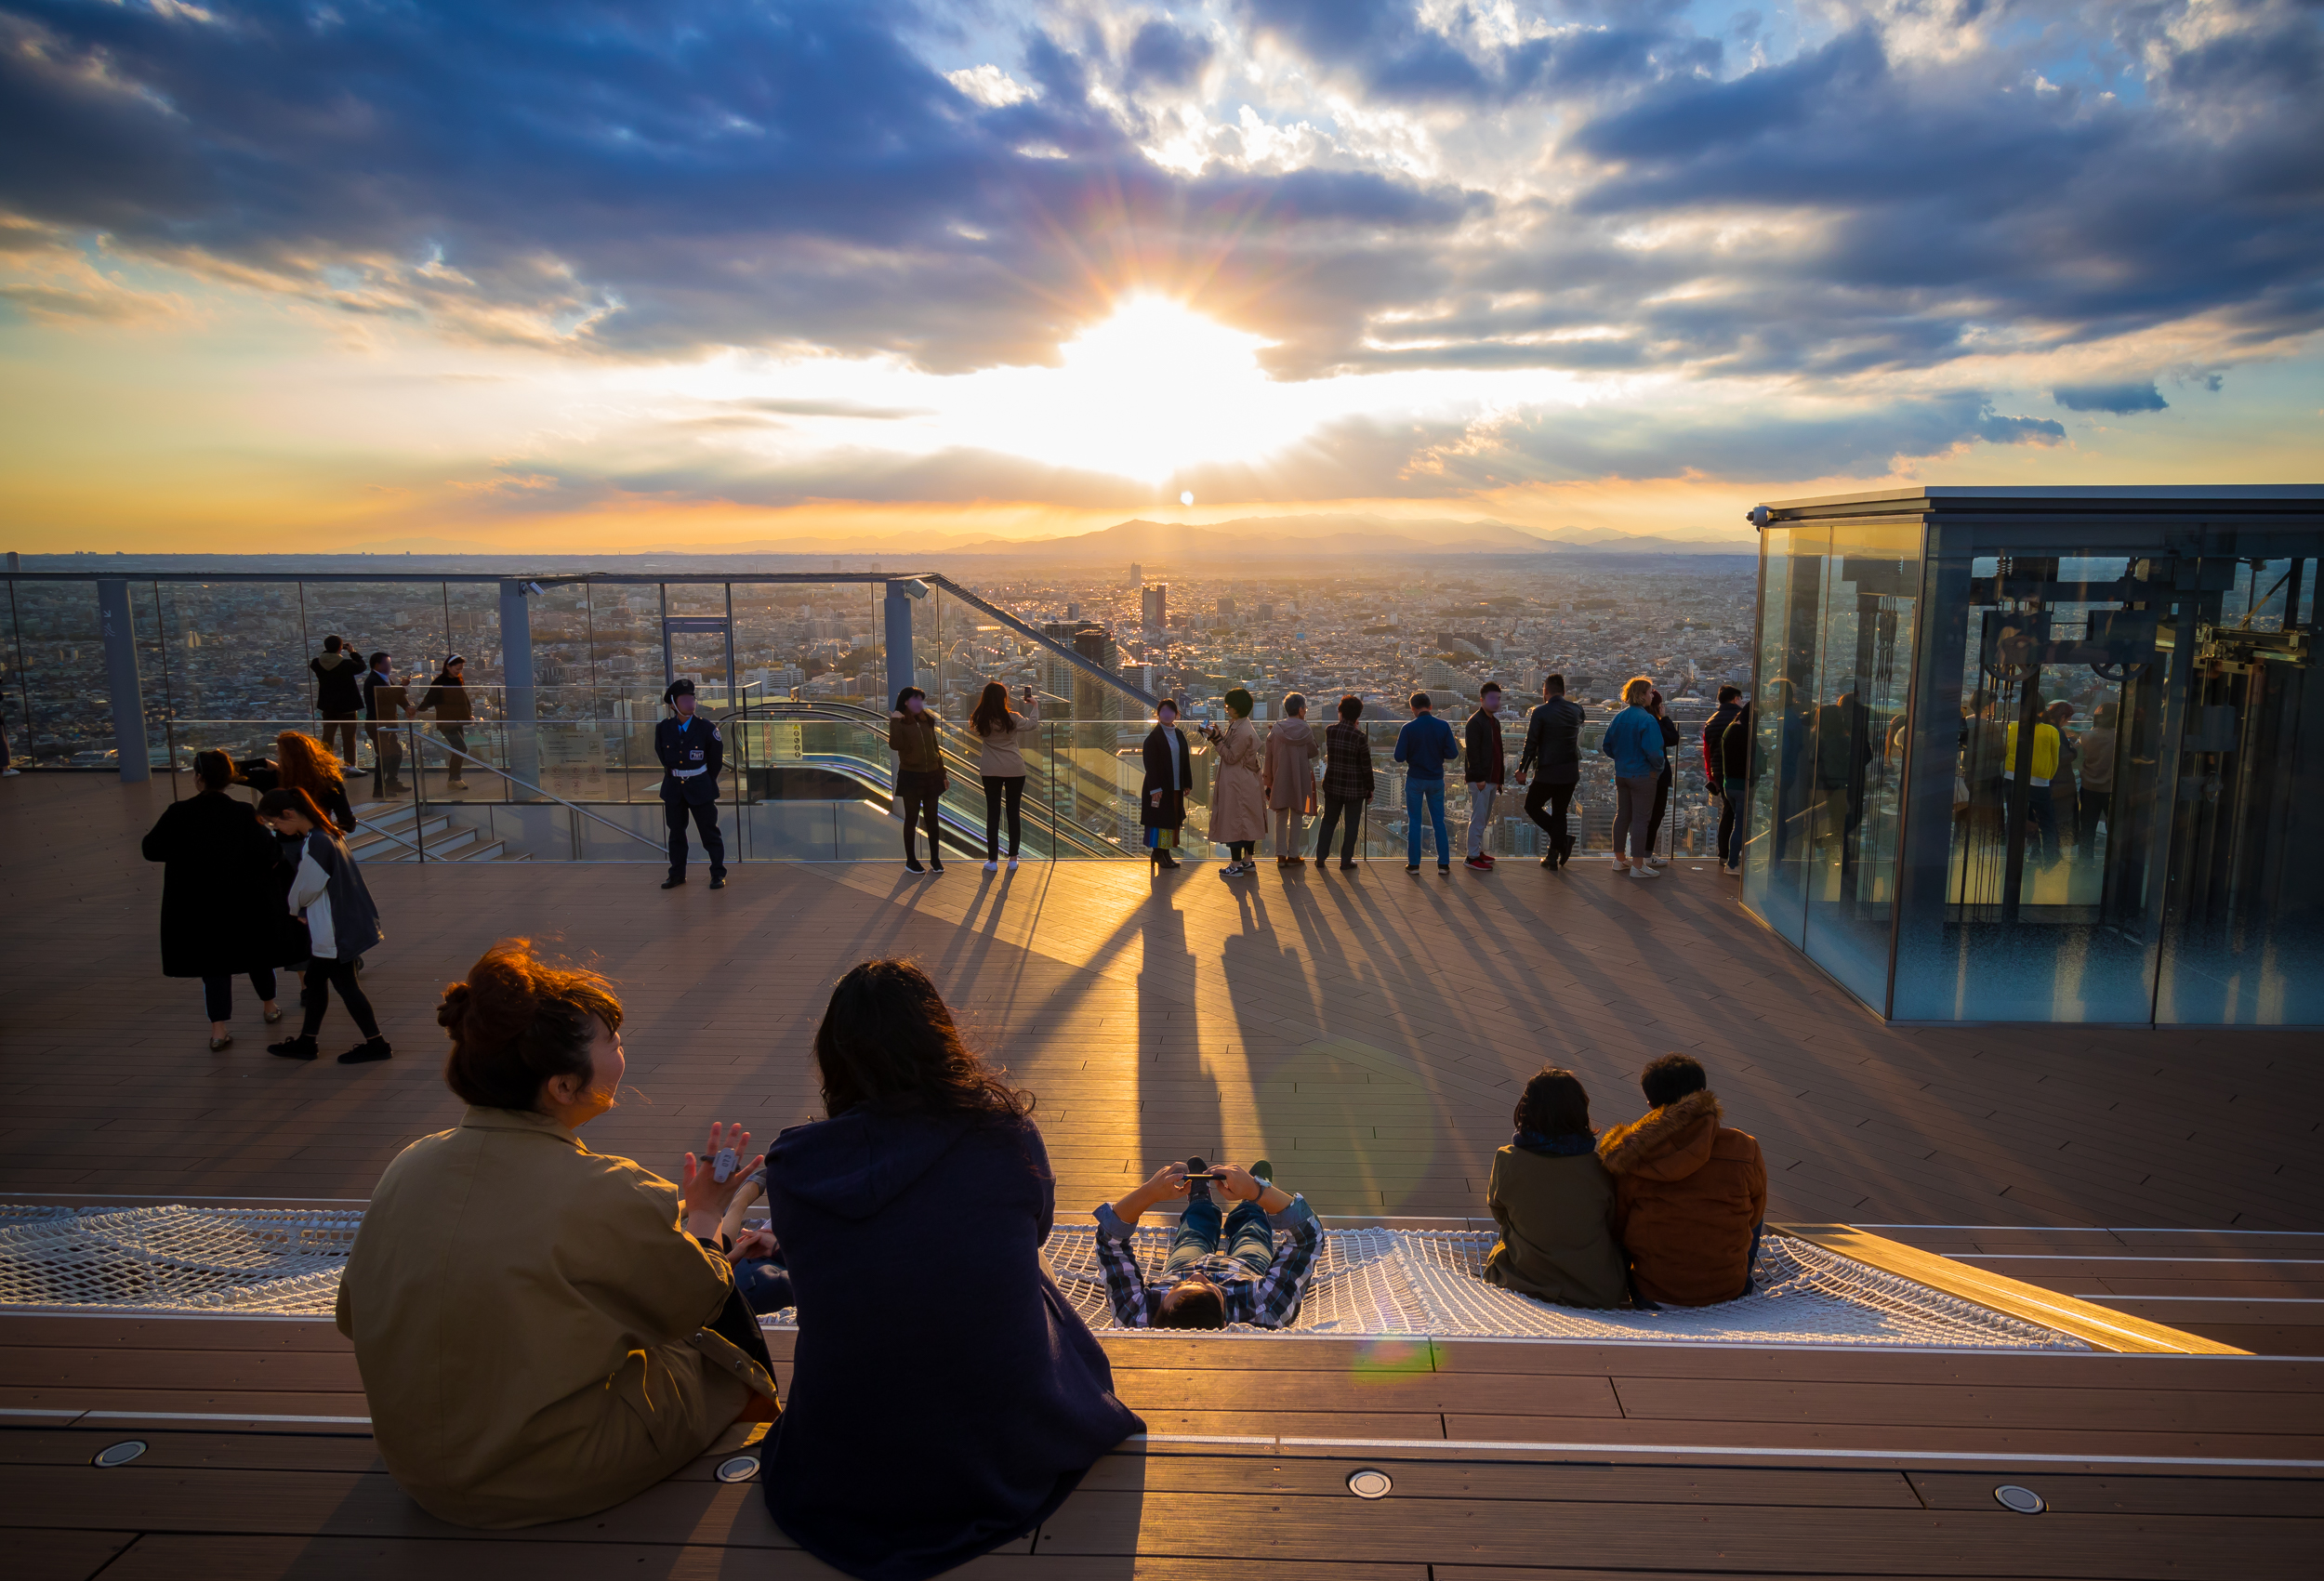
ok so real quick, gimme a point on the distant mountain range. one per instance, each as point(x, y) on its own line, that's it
point(1187, 547)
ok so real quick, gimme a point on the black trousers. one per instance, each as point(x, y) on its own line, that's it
point(919, 806)
point(218, 993)
point(1730, 809)
point(705, 819)
point(1558, 798)
point(338, 734)
point(1335, 808)
point(1663, 805)
point(1240, 850)
point(323, 975)
point(387, 756)
point(456, 736)
point(998, 788)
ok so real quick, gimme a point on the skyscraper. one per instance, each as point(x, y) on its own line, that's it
point(1137, 575)
point(1154, 607)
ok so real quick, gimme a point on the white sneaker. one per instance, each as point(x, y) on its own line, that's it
point(1657, 863)
point(9, 773)
point(1012, 864)
point(1644, 873)
point(995, 867)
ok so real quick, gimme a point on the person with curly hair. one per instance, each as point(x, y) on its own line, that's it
point(544, 1331)
point(945, 1396)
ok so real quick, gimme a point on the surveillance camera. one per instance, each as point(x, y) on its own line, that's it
point(533, 588)
point(915, 587)
point(1757, 516)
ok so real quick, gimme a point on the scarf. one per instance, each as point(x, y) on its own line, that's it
point(1571, 1145)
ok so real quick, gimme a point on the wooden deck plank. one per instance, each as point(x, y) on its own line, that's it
point(1772, 1540)
point(42, 1554)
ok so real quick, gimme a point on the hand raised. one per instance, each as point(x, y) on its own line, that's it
point(700, 1192)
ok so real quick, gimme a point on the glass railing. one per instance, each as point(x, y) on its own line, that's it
point(814, 782)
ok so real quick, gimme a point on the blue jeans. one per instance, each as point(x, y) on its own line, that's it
point(1430, 793)
point(2041, 808)
point(1250, 1240)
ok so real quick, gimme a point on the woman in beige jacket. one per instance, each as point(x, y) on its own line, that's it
point(544, 1331)
point(1003, 735)
point(1238, 805)
point(1290, 778)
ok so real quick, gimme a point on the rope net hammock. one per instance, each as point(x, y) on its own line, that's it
point(1367, 1282)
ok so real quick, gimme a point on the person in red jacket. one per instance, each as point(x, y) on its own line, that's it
point(1690, 1194)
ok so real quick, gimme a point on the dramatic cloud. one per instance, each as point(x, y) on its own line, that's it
point(2135, 396)
point(1859, 225)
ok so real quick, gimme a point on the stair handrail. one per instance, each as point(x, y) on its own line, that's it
point(1081, 839)
point(655, 846)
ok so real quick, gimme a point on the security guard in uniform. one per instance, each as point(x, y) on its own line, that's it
point(692, 755)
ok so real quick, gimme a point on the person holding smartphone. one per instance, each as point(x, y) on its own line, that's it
point(1255, 1282)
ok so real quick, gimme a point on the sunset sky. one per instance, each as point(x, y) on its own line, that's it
point(309, 276)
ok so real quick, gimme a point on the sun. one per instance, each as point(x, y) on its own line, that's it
point(1152, 388)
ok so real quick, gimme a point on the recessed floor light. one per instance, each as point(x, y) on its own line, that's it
point(739, 1470)
point(1369, 1484)
point(2023, 1500)
point(119, 1453)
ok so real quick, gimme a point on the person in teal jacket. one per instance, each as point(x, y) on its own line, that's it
point(1635, 740)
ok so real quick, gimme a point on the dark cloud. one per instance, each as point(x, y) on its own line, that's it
point(641, 179)
point(1166, 54)
point(2135, 395)
point(655, 179)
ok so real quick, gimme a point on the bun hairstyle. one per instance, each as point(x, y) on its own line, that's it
point(517, 1022)
point(213, 768)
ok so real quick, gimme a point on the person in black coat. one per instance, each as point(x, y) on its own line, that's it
point(945, 1396)
point(222, 888)
point(1169, 775)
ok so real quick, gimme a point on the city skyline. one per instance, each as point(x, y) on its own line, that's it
point(905, 276)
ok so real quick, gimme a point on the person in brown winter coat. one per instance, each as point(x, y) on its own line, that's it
point(1690, 1194)
point(1288, 777)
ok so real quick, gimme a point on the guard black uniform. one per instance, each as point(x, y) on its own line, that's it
point(691, 755)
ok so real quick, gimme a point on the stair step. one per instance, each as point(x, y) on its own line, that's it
point(482, 853)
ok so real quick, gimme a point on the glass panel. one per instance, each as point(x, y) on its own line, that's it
point(1863, 670)
point(63, 682)
point(1778, 853)
point(2243, 938)
point(2058, 679)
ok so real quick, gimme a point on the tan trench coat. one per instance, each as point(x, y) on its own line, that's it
point(521, 1308)
point(1239, 808)
point(1293, 748)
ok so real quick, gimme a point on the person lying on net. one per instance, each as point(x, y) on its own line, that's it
point(1253, 1282)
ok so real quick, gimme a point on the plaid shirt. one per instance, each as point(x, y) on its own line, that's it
point(1348, 762)
point(1269, 1302)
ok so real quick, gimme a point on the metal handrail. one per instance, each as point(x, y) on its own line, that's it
point(861, 714)
point(425, 741)
point(1089, 666)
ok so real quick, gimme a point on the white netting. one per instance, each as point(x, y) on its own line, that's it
point(175, 1259)
point(1366, 1282)
point(1379, 1282)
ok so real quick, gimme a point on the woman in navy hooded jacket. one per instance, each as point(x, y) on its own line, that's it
point(944, 1398)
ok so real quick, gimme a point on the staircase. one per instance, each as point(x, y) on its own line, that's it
point(437, 829)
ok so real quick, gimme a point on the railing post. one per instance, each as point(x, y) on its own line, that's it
point(121, 678)
point(518, 702)
point(896, 621)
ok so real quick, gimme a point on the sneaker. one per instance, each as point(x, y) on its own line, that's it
point(1262, 1170)
point(1479, 865)
point(719, 882)
point(1549, 859)
point(912, 864)
point(1346, 865)
point(1012, 864)
point(672, 883)
point(935, 866)
point(1643, 872)
point(995, 867)
point(366, 1052)
point(9, 773)
point(1444, 869)
point(1657, 863)
point(1412, 867)
point(294, 1049)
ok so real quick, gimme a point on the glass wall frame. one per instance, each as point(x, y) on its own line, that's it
point(2101, 764)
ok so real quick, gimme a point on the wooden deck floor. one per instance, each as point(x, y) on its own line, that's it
point(1514, 1460)
point(1366, 1033)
